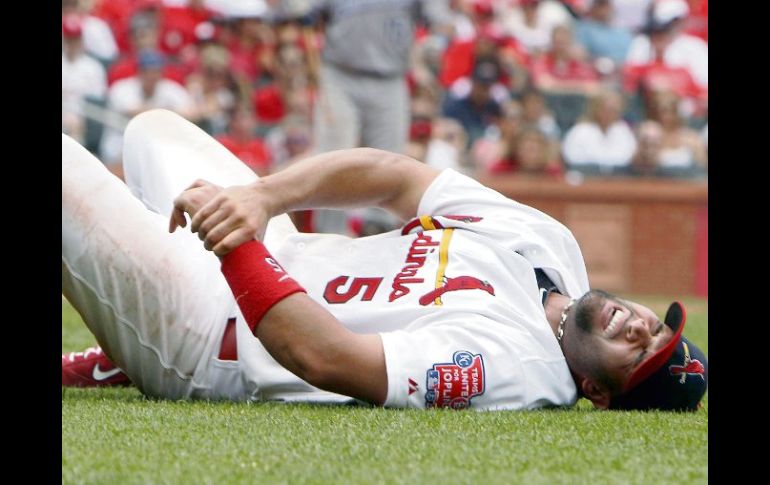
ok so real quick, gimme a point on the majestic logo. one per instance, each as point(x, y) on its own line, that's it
point(691, 367)
point(413, 386)
point(454, 284)
point(454, 384)
point(415, 259)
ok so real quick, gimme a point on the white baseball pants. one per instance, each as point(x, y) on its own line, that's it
point(156, 302)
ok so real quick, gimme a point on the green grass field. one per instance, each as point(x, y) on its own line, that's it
point(118, 436)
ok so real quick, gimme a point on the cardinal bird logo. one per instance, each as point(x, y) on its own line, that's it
point(691, 367)
point(454, 284)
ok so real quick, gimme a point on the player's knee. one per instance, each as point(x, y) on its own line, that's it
point(69, 147)
point(144, 124)
point(72, 151)
point(140, 134)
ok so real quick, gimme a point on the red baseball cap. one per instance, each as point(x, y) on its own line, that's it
point(675, 378)
point(71, 26)
point(483, 7)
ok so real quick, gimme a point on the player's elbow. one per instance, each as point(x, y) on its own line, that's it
point(352, 366)
point(406, 178)
point(321, 369)
point(328, 368)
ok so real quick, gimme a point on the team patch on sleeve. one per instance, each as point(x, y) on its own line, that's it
point(454, 384)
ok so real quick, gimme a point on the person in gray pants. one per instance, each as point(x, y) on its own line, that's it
point(363, 95)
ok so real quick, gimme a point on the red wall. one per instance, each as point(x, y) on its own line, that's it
point(637, 235)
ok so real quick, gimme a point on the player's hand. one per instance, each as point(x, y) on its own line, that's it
point(190, 201)
point(235, 215)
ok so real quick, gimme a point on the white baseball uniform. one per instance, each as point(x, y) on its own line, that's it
point(453, 296)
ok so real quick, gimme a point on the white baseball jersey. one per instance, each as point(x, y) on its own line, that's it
point(454, 297)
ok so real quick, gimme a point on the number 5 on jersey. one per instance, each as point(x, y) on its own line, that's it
point(333, 295)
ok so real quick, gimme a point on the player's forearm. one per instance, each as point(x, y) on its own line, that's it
point(298, 332)
point(227, 218)
point(357, 177)
point(308, 341)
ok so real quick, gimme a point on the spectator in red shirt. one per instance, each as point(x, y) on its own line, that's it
point(664, 57)
point(563, 69)
point(423, 110)
point(178, 24)
point(98, 38)
point(242, 142)
point(461, 55)
point(144, 36)
point(697, 23)
point(291, 90)
point(250, 49)
point(663, 43)
point(119, 15)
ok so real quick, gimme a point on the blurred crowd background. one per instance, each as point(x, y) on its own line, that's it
point(559, 89)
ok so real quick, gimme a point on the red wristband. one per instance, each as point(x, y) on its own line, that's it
point(257, 280)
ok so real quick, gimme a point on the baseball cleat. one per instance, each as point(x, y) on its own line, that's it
point(90, 368)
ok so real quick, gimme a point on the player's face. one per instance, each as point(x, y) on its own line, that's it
point(619, 334)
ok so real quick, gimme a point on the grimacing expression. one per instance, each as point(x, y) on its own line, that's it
point(606, 338)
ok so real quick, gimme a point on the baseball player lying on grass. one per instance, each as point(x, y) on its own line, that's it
point(476, 302)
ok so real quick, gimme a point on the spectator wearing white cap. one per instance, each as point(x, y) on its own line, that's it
point(663, 41)
point(82, 77)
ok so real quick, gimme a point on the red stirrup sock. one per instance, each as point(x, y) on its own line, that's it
point(257, 280)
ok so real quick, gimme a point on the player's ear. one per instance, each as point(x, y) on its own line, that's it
point(595, 393)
